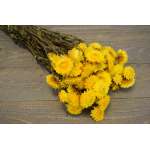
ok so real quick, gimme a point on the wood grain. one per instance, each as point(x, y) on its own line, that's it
point(25, 97)
point(133, 110)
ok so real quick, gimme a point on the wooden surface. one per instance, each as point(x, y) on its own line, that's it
point(26, 98)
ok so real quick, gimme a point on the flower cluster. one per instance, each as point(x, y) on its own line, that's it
point(86, 75)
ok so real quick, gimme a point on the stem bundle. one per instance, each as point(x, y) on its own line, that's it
point(40, 41)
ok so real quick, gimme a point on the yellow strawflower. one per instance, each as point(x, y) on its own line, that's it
point(88, 69)
point(94, 55)
point(127, 83)
point(76, 54)
point(91, 81)
point(122, 56)
point(116, 69)
point(129, 72)
point(77, 69)
point(82, 46)
point(117, 79)
point(87, 99)
point(111, 51)
point(52, 81)
point(53, 57)
point(96, 45)
point(104, 102)
point(97, 114)
point(101, 87)
point(105, 76)
point(74, 110)
point(73, 99)
point(63, 65)
point(63, 96)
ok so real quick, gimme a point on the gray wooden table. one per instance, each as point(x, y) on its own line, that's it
point(26, 98)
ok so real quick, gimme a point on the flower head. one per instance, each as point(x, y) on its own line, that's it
point(82, 46)
point(105, 76)
point(117, 79)
point(77, 69)
point(87, 99)
point(74, 110)
point(104, 102)
point(63, 96)
point(91, 81)
point(127, 83)
point(100, 87)
point(53, 57)
point(73, 99)
point(97, 114)
point(76, 54)
point(52, 81)
point(129, 73)
point(117, 69)
point(63, 65)
point(111, 51)
point(88, 69)
point(94, 55)
point(95, 45)
point(122, 56)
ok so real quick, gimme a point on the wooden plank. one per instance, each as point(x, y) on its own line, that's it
point(24, 84)
point(135, 110)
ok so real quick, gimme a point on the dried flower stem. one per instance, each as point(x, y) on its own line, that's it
point(40, 41)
